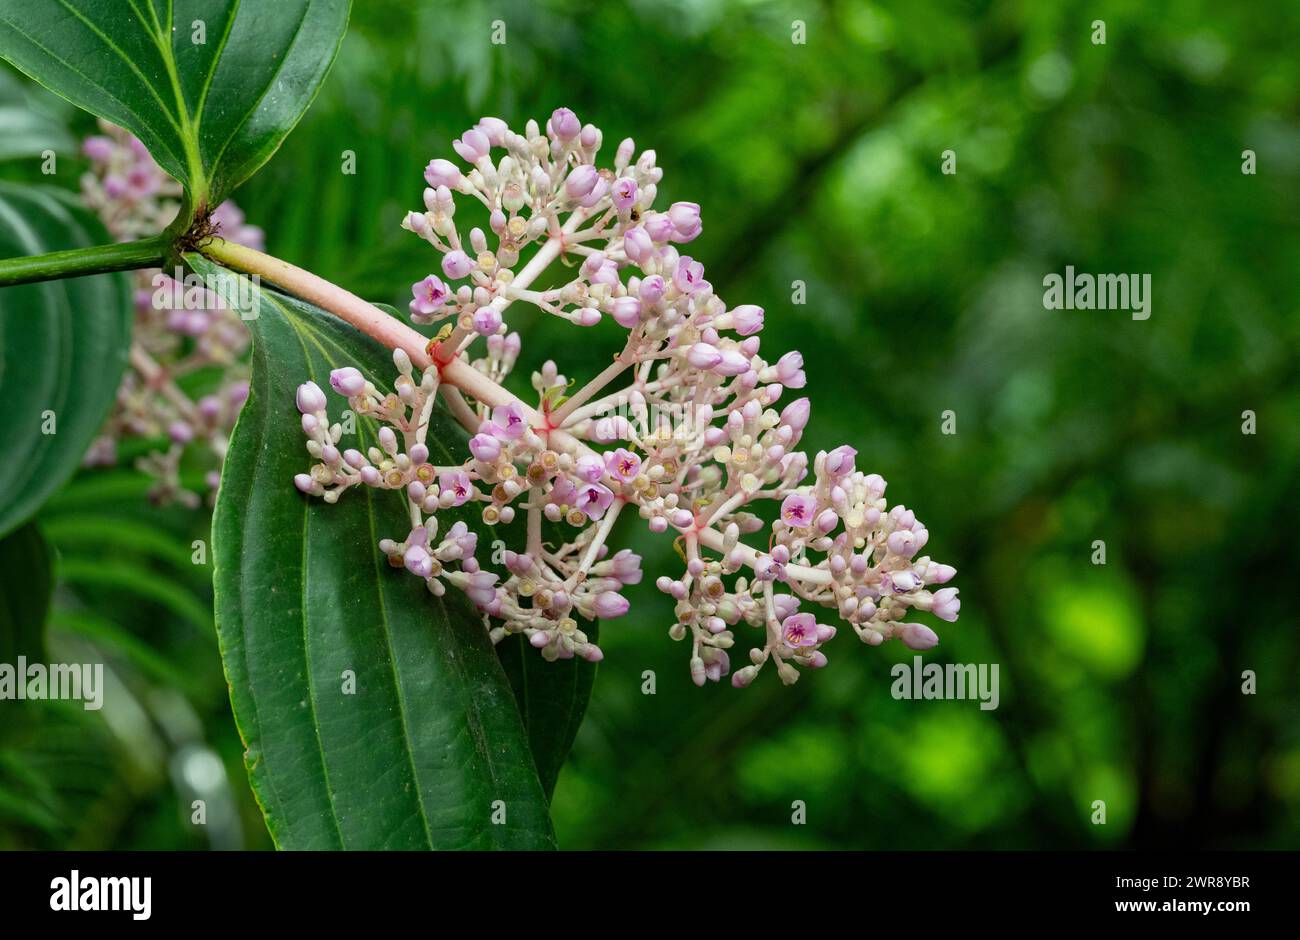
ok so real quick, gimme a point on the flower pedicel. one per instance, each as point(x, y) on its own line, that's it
point(693, 442)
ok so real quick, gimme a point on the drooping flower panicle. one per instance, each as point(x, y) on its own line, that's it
point(695, 440)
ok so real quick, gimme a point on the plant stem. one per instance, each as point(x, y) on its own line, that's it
point(75, 262)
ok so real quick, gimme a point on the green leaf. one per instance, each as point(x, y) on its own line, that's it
point(552, 697)
point(552, 700)
point(63, 347)
point(25, 129)
point(210, 112)
point(25, 585)
point(417, 757)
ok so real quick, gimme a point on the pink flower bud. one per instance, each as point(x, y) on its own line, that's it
point(637, 245)
point(608, 604)
point(456, 264)
point(946, 604)
point(839, 462)
point(581, 181)
point(796, 414)
point(918, 636)
point(347, 381)
point(494, 129)
point(486, 321)
point(733, 362)
point(310, 398)
point(902, 542)
point(564, 124)
point(659, 227)
point(626, 311)
point(442, 173)
point(304, 482)
point(485, 447)
point(652, 290)
point(789, 370)
point(747, 319)
point(473, 145)
point(703, 356)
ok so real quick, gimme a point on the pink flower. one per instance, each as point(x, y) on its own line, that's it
point(624, 193)
point(509, 421)
point(418, 561)
point(797, 511)
point(428, 296)
point(594, 499)
point(799, 631)
point(623, 465)
point(457, 483)
point(689, 275)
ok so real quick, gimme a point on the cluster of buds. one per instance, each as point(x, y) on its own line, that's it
point(176, 331)
point(694, 438)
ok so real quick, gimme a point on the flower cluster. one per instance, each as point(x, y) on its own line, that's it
point(177, 331)
point(695, 439)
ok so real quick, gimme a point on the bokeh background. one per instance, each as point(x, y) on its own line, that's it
point(821, 163)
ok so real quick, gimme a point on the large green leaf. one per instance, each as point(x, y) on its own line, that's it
point(63, 346)
point(420, 755)
point(210, 112)
point(25, 585)
point(552, 697)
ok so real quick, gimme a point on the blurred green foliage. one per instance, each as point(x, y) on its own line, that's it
point(821, 163)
